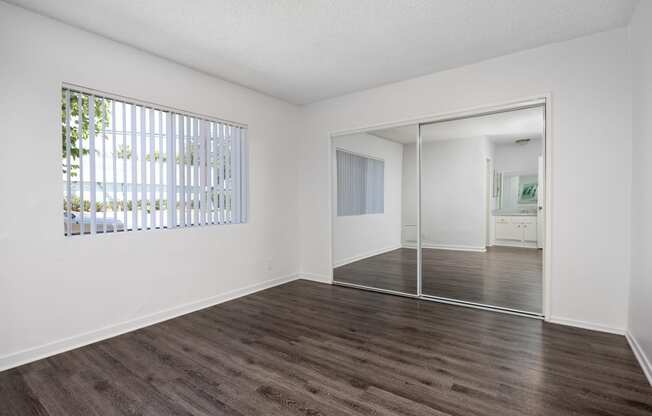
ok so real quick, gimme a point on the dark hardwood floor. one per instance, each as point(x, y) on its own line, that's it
point(503, 276)
point(394, 270)
point(306, 348)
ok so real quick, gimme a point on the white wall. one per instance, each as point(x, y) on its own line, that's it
point(640, 311)
point(591, 129)
point(409, 196)
point(492, 200)
point(359, 236)
point(54, 289)
point(453, 194)
point(514, 157)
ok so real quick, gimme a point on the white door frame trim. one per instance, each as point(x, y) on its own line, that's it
point(545, 99)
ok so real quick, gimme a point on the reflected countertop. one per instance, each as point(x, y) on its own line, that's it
point(498, 213)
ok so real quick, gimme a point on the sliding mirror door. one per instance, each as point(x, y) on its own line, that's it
point(481, 209)
point(374, 210)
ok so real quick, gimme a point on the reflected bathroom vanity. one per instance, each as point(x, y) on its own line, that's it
point(516, 219)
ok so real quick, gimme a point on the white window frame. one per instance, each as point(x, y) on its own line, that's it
point(207, 181)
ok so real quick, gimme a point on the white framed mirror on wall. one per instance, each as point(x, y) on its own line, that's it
point(463, 214)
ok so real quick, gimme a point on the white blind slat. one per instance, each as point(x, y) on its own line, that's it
point(214, 167)
point(171, 170)
point(196, 148)
point(152, 170)
point(134, 171)
point(68, 167)
point(114, 161)
point(161, 162)
point(124, 165)
point(189, 172)
point(221, 210)
point(229, 184)
point(80, 147)
point(142, 153)
point(245, 175)
point(235, 157)
point(91, 153)
point(103, 113)
point(201, 179)
point(182, 171)
point(188, 166)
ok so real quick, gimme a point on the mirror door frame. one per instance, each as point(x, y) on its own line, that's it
point(543, 100)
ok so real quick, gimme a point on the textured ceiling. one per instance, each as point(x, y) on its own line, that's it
point(307, 50)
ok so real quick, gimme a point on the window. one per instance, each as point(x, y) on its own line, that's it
point(131, 166)
point(360, 184)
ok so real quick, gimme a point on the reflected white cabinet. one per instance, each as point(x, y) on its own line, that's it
point(530, 230)
point(516, 230)
point(506, 230)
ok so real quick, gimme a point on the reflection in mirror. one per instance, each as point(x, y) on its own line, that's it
point(371, 219)
point(481, 226)
point(519, 191)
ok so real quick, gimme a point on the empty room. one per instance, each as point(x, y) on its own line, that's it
point(326, 207)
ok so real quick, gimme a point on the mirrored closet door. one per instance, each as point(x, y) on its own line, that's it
point(481, 206)
point(450, 210)
point(374, 218)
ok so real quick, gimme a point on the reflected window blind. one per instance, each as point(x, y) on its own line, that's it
point(360, 184)
point(131, 166)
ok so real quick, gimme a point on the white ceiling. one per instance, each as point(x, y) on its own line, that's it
point(403, 134)
point(307, 50)
point(500, 128)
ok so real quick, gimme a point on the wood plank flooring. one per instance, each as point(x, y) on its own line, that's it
point(503, 276)
point(394, 270)
point(306, 348)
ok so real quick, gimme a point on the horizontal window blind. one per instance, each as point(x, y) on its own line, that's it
point(129, 166)
point(360, 184)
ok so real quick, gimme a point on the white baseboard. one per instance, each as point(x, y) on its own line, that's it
point(362, 256)
point(315, 277)
point(76, 341)
point(585, 325)
point(500, 243)
point(478, 249)
point(643, 359)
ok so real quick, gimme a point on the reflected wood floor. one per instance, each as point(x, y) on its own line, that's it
point(394, 270)
point(503, 276)
point(306, 348)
